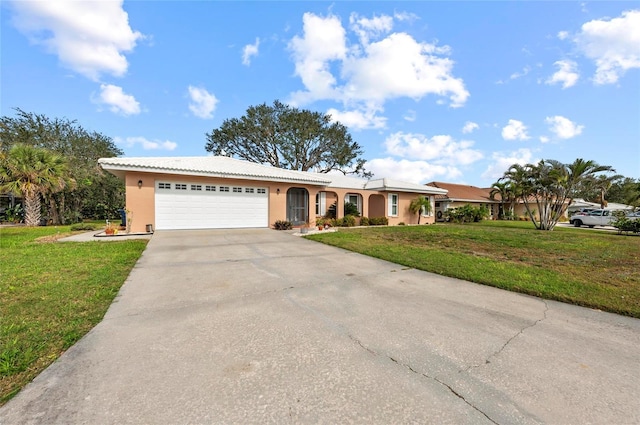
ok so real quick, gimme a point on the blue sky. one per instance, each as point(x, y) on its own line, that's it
point(445, 91)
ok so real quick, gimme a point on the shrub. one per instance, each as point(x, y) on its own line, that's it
point(331, 211)
point(14, 214)
point(348, 221)
point(364, 221)
point(401, 223)
point(283, 225)
point(467, 214)
point(351, 209)
point(626, 225)
point(378, 221)
point(84, 226)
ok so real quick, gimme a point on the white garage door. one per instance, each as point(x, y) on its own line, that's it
point(203, 206)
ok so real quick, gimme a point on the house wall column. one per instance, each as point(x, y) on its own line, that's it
point(140, 201)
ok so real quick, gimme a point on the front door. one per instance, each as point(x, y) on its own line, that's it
point(297, 206)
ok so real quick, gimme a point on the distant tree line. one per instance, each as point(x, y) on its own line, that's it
point(80, 188)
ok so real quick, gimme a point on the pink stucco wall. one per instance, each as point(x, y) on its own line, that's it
point(140, 201)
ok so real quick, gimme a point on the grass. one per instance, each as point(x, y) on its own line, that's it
point(588, 268)
point(51, 294)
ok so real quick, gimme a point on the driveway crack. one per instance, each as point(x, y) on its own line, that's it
point(506, 344)
point(433, 378)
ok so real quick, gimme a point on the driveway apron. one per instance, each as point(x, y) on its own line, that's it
point(259, 326)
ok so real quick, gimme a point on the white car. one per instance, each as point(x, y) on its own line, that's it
point(633, 215)
point(593, 218)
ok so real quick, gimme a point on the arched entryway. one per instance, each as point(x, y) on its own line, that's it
point(297, 206)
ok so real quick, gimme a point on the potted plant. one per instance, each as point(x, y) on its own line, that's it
point(109, 230)
point(304, 228)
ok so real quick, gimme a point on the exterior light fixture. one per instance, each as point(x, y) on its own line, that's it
point(139, 184)
point(278, 191)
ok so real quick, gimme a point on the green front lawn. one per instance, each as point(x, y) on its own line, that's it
point(51, 294)
point(587, 268)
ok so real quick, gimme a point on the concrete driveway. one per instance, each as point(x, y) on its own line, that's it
point(259, 326)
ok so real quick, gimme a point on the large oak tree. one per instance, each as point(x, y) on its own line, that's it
point(288, 137)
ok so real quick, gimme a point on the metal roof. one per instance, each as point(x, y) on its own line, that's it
point(225, 167)
point(212, 166)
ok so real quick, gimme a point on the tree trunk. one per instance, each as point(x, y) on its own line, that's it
point(54, 214)
point(32, 209)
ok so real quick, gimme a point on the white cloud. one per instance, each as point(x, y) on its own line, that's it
point(544, 139)
point(202, 102)
point(145, 143)
point(441, 149)
point(566, 74)
point(515, 130)
point(406, 16)
point(410, 115)
point(563, 128)
point(469, 126)
point(411, 171)
point(520, 74)
point(248, 51)
point(378, 67)
point(400, 66)
point(117, 100)
point(88, 37)
point(370, 28)
point(358, 119)
point(503, 160)
point(324, 41)
point(562, 35)
point(613, 44)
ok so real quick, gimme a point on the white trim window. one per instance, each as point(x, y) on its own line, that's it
point(393, 204)
point(423, 211)
point(321, 203)
point(354, 198)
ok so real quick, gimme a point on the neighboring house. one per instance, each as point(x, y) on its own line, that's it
point(222, 192)
point(459, 195)
point(578, 204)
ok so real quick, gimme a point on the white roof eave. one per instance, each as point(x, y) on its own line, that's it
point(119, 171)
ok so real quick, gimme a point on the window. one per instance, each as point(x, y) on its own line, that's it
point(237, 190)
point(423, 211)
point(180, 186)
point(262, 190)
point(164, 185)
point(224, 188)
point(210, 188)
point(196, 187)
point(321, 203)
point(393, 204)
point(249, 190)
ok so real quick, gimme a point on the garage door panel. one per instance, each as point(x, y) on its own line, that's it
point(200, 209)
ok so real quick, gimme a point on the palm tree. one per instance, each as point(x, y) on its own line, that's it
point(550, 186)
point(602, 184)
point(32, 172)
point(420, 204)
point(505, 190)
